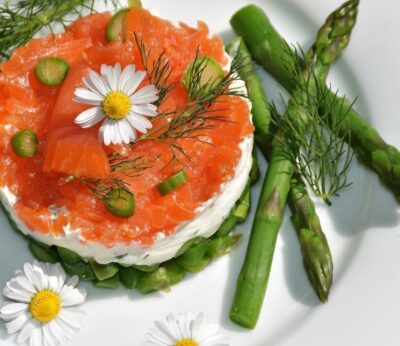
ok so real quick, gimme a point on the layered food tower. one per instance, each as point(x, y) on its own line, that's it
point(126, 148)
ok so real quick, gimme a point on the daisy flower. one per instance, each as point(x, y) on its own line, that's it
point(185, 330)
point(118, 102)
point(43, 310)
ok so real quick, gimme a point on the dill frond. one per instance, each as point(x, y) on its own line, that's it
point(315, 141)
point(21, 20)
point(158, 70)
point(102, 188)
point(130, 166)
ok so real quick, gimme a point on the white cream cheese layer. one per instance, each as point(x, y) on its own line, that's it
point(209, 217)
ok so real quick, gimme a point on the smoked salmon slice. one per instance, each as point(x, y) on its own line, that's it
point(71, 149)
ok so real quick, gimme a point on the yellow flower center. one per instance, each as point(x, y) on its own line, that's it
point(116, 105)
point(187, 342)
point(45, 306)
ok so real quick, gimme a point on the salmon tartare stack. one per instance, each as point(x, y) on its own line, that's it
point(126, 147)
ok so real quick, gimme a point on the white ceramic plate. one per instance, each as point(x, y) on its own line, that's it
point(362, 226)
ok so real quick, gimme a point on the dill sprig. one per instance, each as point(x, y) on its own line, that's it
point(101, 188)
point(21, 20)
point(315, 141)
point(130, 166)
point(205, 93)
point(195, 118)
point(158, 70)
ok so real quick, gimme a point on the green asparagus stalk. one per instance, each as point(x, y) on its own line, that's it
point(317, 258)
point(316, 254)
point(270, 50)
point(253, 278)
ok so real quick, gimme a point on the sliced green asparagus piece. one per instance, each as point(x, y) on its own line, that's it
point(195, 253)
point(175, 272)
point(303, 210)
point(51, 70)
point(253, 279)
point(270, 50)
point(116, 28)
point(157, 280)
point(42, 252)
point(81, 269)
point(130, 277)
point(104, 271)
point(221, 246)
point(68, 256)
point(25, 143)
point(112, 282)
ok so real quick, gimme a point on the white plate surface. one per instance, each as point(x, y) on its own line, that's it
point(362, 226)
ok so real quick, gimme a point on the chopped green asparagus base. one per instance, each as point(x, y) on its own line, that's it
point(193, 257)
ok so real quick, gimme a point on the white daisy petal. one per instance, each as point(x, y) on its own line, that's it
point(26, 331)
point(163, 328)
point(135, 79)
point(159, 339)
point(86, 115)
point(58, 328)
point(139, 122)
point(48, 338)
point(73, 281)
point(13, 309)
point(39, 279)
point(126, 75)
point(109, 76)
point(173, 326)
point(197, 323)
point(18, 295)
point(59, 271)
point(185, 333)
point(54, 277)
point(145, 109)
point(147, 94)
point(133, 133)
point(88, 96)
point(73, 297)
point(103, 69)
point(90, 117)
point(117, 74)
point(105, 132)
point(99, 83)
point(124, 130)
point(17, 324)
point(69, 318)
point(101, 89)
point(114, 133)
point(36, 337)
point(28, 271)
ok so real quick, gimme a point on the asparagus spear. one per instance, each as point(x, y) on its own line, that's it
point(315, 250)
point(270, 50)
point(253, 278)
point(317, 258)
